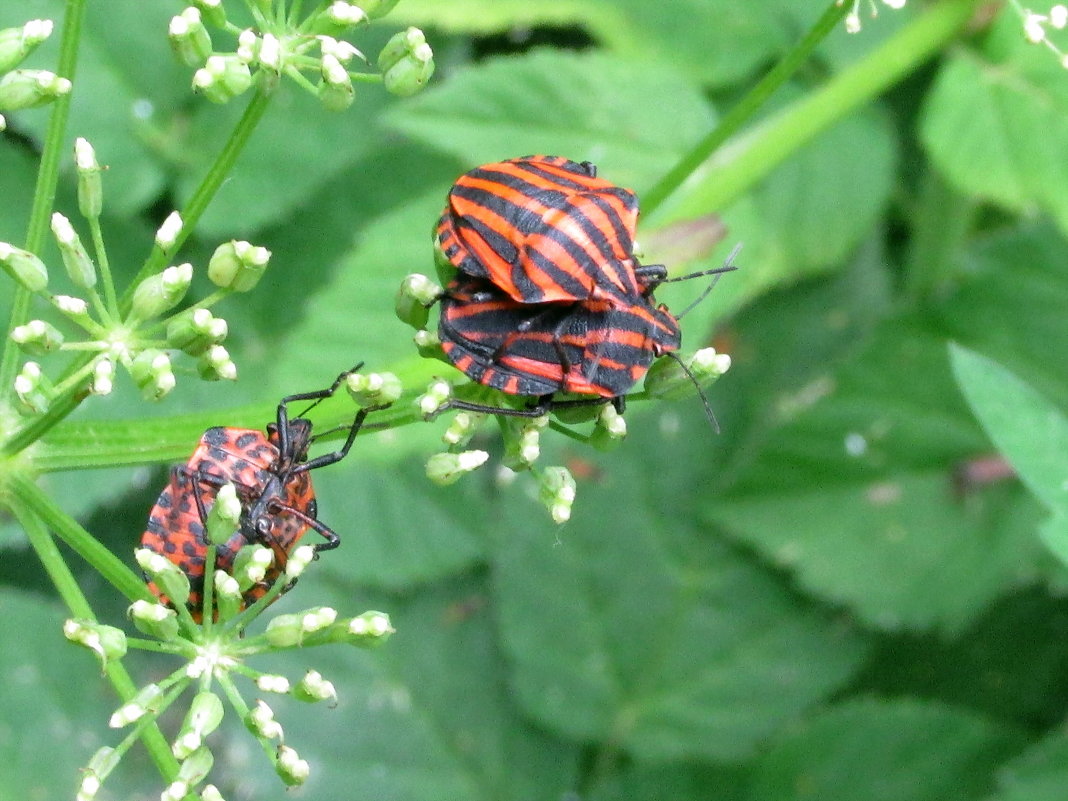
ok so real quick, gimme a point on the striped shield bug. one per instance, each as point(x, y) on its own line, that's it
point(271, 473)
point(544, 229)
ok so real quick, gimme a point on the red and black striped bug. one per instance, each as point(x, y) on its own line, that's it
point(541, 349)
point(545, 229)
point(271, 474)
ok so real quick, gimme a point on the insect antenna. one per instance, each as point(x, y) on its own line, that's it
point(700, 392)
point(717, 273)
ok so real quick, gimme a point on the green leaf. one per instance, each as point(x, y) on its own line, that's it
point(642, 629)
point(1027, 428)
point(874, 750)
point(600, 112)
point(387, 540)
point(805, 217)
point(854, 493)
point(715, 43)
point(1038, 774)
point(997, 123)
point(1010, 665)
point(285, 162)
point(350, 317)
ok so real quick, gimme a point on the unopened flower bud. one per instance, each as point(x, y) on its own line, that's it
point(222, 78)
point(3, 124)
point(313, 687)
point(24, 267)
point(154, 619)
point(37, 337)
point(79, 266)
point(522, 445)
point(557, 491)
point(290, 767)
point(340, 49)
point(272, 683)
point(462, 428)
point(165, 573)
point(147, 700)
point(23, 89)
point(107, 642)
point(374, 389)
point(435, 397)
point(160, 292)
point(286, 631)
point(261, 722)
point(195, 330)
point(417, 293)
point(370, 628)
point(216, 364)
point(90, 186)
point(32, 388)
point(610, 430)
point(151, 371)
point(204, 716)
point(192, 772)
point(190, 40)
point(224, 516)
point(100, 765)
point(228, 598)
point(17, 43)
point(447, 468)
point(301, 557)
point(335, 89)
point(238, 265)
point(209, 792)
point(670, 380)
point(406, 62)
point(429, 346)
point(344, 14)
point(212, 12)
point(169, 231)
point(251, 564)
point(103, 380)
point(76, 309)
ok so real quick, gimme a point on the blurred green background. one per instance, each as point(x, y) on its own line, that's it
point(821, 602)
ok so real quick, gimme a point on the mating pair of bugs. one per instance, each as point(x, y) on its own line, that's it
point(544, 296)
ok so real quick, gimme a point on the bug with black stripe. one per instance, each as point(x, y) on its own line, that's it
point(545, 229)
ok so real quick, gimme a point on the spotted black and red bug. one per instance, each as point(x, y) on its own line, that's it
point(271, 474)
point(545, 229)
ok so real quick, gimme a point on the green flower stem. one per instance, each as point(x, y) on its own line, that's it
point(36, 428)
point(47, 178)
point(27, 493)
point(178, 649)
point(105, 268)
point(743, 112)
point(798, 124)
point(204, 193)
point(35, 527)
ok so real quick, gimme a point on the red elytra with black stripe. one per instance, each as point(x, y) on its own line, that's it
point(543, 229)
point(270, 472)
point(540, 349)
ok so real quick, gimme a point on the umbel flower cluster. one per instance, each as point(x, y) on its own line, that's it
point(311, 52)
point(140, 336)
point(214, 653)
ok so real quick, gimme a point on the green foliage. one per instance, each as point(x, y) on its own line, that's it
point(854, 592)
